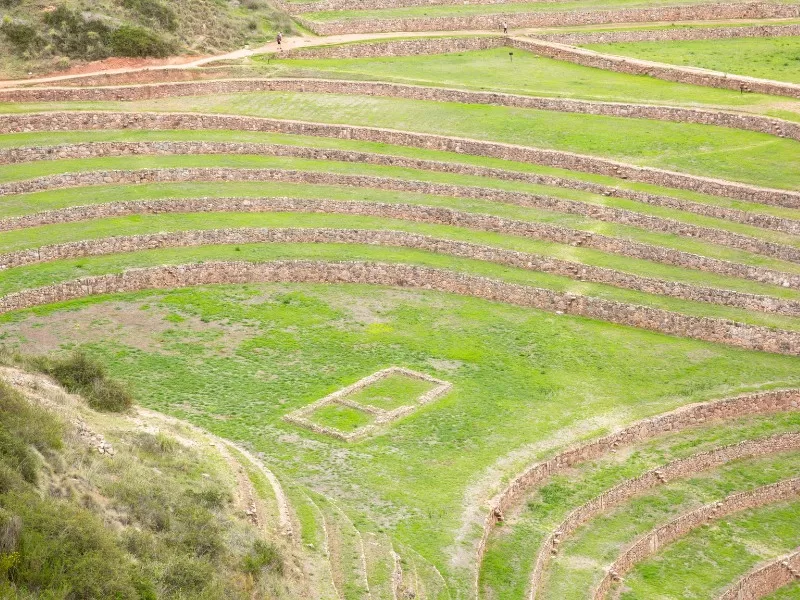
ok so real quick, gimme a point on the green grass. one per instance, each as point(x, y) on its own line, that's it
point(790, 592)
point(708, 560)
point(392, 392)
point(268, 349)
point(65, 270)
point(579, 564)
point(513, 546)
point(702, 149)
point(340, 417)
point(770, 58)
point(481, 9)
point(528, 74)
point(572, 221)
point(144, 224)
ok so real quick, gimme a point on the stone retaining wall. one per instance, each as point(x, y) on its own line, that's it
point(584, 209)
point(533, 229)
point(490, 22)
point(633, 66)
point(79, 121)
point(296, 8)
point(672, 422)
point(653, 542)
point(412, 47)
point(721, 331)
point(101, 149)
point(511, 258)
point(766, 580)
point(678, 469)
point(761, 124)
point(671, 34)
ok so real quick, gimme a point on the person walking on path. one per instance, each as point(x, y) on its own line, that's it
point(279, 39)
point(505, 28)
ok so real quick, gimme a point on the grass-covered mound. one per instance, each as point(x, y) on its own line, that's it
point(101, 506)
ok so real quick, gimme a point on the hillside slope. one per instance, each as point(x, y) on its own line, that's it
point(125, 505)
point(43, 36)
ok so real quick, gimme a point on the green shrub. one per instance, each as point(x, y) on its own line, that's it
point(263, 556)
point(66, 548)
point(187, 575)
point(140, 42)
point(21, 36)
point(80, 374)
point(155, 12)
point(198, 531)
point(71, 34)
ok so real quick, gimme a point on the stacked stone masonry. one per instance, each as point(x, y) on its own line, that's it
point(296, 8)
point(410, 47)
point(693, 415)
point(721, 331)
point(536, 230)
point(585, 209)
point(492, 22)
point(103, 149)
point(679, 469)
point(653, 542)
point(79, 121)
point(766, 580)
point(672, 34)
point(690, 75)
point(511, 258)
point(769, 125)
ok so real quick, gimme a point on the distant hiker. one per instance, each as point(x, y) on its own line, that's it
point(280, 39)
point(505, 28)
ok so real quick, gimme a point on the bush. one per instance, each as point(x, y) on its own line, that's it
point(73, 35)
point(264, 555)
point(83, 375)
point(65, 548)
point(22, 36)
point(140, 42)
point(155, 12)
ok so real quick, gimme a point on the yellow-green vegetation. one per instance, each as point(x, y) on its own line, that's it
point(105, 506)
point(289, 513)
point(770, 58)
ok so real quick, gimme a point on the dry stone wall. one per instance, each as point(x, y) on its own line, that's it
point(679, 469)
point(761, 124)
point(102, 149)
point(532, 229)
point(671, 34)
point(685, 417)
point(741, 335)
point(766, 580)
point(653, 542)
point(489, 22)
point(296, 8)
point(79, 121)
point(511, 258)
point(410, 47)
point(548, 203)
point(632, 66)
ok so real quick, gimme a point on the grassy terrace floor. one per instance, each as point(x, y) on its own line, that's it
point(8, 208)
point(769, 58)
point(513, 546)
point(704, 563)
point(94, 195)
point(25, 171)
point(483, 9)
point(528, 74)
point(65, 270)
point(235, 359)
point(581, 559)
point(701, 149)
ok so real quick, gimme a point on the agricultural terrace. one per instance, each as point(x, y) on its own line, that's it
point(497, 316)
